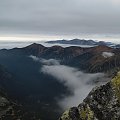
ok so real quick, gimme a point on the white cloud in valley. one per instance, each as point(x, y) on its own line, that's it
point(107, 54)
point(78, 82)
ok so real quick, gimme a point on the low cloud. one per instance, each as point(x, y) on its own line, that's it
point(50, 62)
point(36, 59)
point(107, 54)
point(44, 61)
point(78, 82)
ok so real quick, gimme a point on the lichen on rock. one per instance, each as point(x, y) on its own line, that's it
point(102, 103)
point(115, 82)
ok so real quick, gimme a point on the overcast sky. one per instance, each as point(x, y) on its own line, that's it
point(58, 19)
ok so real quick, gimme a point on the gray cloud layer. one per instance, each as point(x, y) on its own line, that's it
point(59, 17)
point(79, 83)
point(44, 61)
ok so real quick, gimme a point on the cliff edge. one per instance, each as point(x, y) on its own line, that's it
point(102, 103)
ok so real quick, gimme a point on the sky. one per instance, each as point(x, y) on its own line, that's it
point(59, 19)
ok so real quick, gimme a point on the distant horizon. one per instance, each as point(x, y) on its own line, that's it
point(50, 38)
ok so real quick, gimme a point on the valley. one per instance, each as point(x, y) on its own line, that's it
point(39, 92)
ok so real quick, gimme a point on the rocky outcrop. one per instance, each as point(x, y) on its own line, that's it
point(9, 110)
point(102, 103)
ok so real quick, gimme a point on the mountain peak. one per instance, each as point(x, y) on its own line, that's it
point(34, 45)
point(35, 49)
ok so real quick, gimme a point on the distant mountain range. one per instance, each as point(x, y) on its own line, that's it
point(81, 42)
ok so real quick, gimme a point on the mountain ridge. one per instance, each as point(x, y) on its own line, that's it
point(90, 59)
point(81, 42)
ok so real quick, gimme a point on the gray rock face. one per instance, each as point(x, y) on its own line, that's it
point(102, 103)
